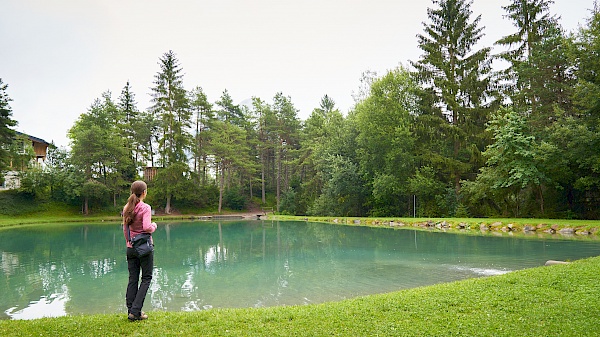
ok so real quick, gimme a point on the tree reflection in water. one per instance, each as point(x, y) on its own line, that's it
point(54, 270)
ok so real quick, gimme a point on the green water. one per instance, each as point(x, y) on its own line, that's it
point(55, 270)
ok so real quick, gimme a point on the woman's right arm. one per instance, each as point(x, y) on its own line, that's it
point(147, 225)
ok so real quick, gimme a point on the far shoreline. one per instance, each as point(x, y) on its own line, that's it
point(519, 227)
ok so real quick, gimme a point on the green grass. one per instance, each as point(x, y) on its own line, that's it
point(560, 300)
point(590, 228)
point(516, 221)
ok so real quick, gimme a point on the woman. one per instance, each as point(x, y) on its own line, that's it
point(136, 220)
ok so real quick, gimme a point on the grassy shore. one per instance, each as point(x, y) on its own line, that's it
point(560, 300)
point(563, 228)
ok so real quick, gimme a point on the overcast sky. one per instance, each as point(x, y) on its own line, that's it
point(57, 56)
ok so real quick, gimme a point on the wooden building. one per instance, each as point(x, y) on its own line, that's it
point(40, 146)
point(40, 149)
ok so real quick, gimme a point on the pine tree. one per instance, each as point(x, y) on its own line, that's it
point(230, 112)
point(202, 109)
point(6, 122)
point(288, 127)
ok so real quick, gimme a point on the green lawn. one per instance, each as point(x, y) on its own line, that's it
point(560, 300)
point(589, 228)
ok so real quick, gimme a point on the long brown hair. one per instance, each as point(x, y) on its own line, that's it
point(137, 189)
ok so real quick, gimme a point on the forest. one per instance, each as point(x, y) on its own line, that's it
point(460, 132)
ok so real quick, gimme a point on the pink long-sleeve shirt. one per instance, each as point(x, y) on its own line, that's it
point(142, 222)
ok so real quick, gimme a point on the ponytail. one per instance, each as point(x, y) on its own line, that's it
point(137, 189)
point(129, 207)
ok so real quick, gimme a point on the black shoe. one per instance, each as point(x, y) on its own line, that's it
point(141, 317)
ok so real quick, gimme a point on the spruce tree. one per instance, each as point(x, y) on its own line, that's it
point(532, 20)
point(171, 108)
point(129, 123)
point(6, 122)
point(457, 85)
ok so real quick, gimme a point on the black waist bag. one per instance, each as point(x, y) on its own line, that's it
point(142, 244)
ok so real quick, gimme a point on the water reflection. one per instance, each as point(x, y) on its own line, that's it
point(75, 269)
point(52, 306)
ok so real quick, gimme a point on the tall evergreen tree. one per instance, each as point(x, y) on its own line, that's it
point(266, 121)
point(457, 87)
point(288, 127)
point(132, 128)
point(549, 73)
point(578, 135)
point(532, 20)
point(230, 112)
point(171, 108)
point(231, 152)
point(204, 117)
point(6, 122)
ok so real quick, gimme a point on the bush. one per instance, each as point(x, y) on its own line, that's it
point(287, 205)
point(233, 199)
point(14, 203)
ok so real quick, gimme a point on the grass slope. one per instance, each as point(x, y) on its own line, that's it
point(560, 300)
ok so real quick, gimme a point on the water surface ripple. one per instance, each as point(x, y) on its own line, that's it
point(56, 270)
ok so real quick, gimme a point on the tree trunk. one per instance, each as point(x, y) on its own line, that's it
point(541, 199)
point(262, 183)
point(221, 187)
point(262, 175)
point(85, 206)
point(203, 170)
point(250, 181)
point(278, 177)
point(168, 205)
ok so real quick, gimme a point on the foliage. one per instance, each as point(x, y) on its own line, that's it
point(233, 199)
point(343, 193)
point(456, 88)
point(171, 109)
point(288, 202)
point(95, 192)
point(97, 150)
point(384, 140)
point(6, 122)
point(172, 182)
point(14, 203)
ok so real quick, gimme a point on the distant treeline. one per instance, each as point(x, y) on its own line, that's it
point(448, 135)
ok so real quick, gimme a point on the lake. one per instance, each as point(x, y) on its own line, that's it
point(63, 269)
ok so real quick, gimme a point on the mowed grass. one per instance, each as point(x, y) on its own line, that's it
point(471, 221)
point(560, 300)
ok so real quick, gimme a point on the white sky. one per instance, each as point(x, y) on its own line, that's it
point(57, 56)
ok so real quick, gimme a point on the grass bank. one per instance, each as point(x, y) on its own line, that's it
point(560, 300)
point(563, 228)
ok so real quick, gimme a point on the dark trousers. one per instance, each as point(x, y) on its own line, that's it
point(135, 295)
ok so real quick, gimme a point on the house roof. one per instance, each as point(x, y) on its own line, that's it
point(32, 138)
